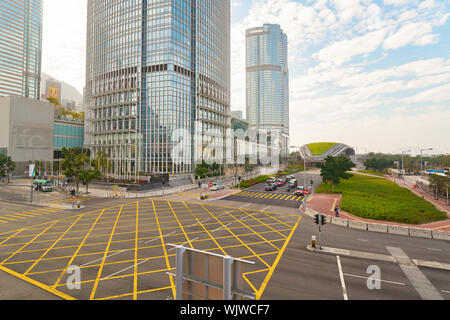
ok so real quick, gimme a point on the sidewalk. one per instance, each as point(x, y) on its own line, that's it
point(325, 204)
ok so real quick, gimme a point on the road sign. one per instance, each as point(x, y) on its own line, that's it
point(32, 171)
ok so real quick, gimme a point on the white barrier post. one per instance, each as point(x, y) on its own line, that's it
point(179, 270)
point(227, 262)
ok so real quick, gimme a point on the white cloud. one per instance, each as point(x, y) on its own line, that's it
point(341, 52)
point(416, 33)
point(438, 94)
point(64, 41)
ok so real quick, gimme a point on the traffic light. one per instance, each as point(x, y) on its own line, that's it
point(323, 219)
point(316, 219)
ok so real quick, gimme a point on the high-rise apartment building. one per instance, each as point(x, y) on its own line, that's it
point(154, 67)
point(20, 48)
point(268, 82)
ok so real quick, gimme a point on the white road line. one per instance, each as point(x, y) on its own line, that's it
point(363, 240)
point(160, 237)
point(419, 281)
point(245, 205)
point(362, 277)
point(434, 249)
point(105, 257)
point(341, 276)
point(265, 208)
point(445, 291)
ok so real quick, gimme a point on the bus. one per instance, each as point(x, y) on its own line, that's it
point(43, 185)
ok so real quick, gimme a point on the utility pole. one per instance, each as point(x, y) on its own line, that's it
point(421, 157)
point(404, 152)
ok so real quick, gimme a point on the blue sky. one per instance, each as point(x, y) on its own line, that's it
point(374, 74)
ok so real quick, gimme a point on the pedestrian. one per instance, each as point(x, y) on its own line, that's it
point(336, 210)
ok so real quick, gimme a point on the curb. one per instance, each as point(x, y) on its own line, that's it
point(384, 228)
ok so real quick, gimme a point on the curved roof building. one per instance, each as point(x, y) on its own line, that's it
point(316, 152)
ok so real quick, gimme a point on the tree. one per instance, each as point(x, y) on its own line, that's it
point(101, 161)
point(438, 183)
point(202, 170)
point(74, 162)
point(334, 169)
point(86, 176)
point(378, 163)
point(6, 166)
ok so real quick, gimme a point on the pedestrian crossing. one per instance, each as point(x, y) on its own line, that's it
point(266, 195)
point(19, 216)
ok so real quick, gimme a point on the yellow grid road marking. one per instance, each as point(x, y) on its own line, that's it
point(148, 247)
point(169, 204)
point(172, 284)
point(254, 231)
point(78, 249)
point(17, 251)
point(262, 260)
point(50, 248)
point(94, 289)
point(206, 230)
point(136, 253)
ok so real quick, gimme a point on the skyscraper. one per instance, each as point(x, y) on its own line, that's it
point(20, 47)
point(268, 82)
point(153, 67)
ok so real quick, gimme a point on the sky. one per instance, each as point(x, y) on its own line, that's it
point(373, 74)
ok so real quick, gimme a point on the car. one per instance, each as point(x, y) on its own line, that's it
point(300, 191)
point(217, 187)
point(290, 177)
point(271, 187)
point(292, 184)
point(271, 180)
point(280, 182)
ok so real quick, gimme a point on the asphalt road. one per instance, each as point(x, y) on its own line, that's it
point(292, 273)
point(302, 274)
point(279, 197)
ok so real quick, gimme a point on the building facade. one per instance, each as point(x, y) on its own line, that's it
point(20, 48)
point(26, 131)
point(155, 69)
point(267, 82)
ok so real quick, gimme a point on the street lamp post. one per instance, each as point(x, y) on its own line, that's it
point(404, 152)
point(421, 157)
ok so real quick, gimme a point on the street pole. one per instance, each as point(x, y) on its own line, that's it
point(304, 172)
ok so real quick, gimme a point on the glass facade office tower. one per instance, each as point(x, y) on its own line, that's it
point(268, 82)
point(155, 66)
point(20, 48)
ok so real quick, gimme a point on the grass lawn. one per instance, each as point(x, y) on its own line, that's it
point(320, 147)
point(380, 199)
point(376, 173)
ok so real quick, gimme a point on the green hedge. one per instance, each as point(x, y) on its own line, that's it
point(380, 199)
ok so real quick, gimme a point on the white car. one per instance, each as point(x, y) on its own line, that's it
point(217, 187)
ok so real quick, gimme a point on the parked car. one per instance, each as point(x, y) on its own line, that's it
point(271, 180)
point(271, 187)
point(280, 182)
point(217, 187)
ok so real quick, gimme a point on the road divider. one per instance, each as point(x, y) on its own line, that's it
point(377, 227)
point(383, 228)
point(353, 224)
point(398, 230)
point(440, 235)
point(339, 221)
point(420, 233)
